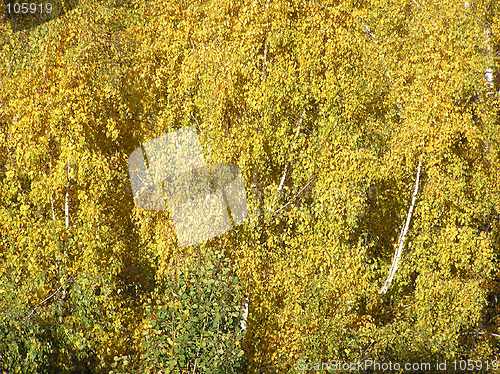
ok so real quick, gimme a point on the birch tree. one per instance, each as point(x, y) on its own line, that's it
point(318, 103)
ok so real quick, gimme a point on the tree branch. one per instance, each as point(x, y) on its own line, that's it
point(489, 73)
point(66, 199)
point(370, 34)
point(53, 210)
point(199, 348)
point(27, 46)
point(286, 165)
point(244, 319)
point(199, 127)
point(264, 61)
point(481, 333)
point(51, 296)
point(66, 209)
point(402, 236)
point(51, 198)
point(10, 66)
point(295, 197)
point(266, 45)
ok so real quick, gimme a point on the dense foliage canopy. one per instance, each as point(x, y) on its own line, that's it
point(327, 107)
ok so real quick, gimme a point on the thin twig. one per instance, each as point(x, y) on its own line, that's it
point(199, 348)
point(395, 309)
point(369, 32)
point(402, 236)
point(438, 217)
point(367, 349)
point(305, 127)
point(51, 296)
point(13, 163)
point(66, 199)
point(286, 165)
point(199, 127)
point(66, 209)
point(482, 333)
point(51, 198)
point(295, 198)
point(10, 66)
point(201, 341)
point(264, 61)
point(407, 305)
point(53, 211)
point(24, 40)
point(266, 46)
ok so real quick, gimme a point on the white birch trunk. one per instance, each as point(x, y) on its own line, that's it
point(66, 211)
point(286, 165)
point(66, 200)
point(402, 236)
point(243, 322)
point(488, 72)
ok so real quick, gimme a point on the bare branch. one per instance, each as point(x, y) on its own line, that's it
point(66, 208)
point(53, 210)
point(51, 296)
point(201, 342)
point(51, 197)
point(402, 236)
point(264, 61)
point(368, 31)
point(244, 319)
point(286, 165)
point(199, 127)
point(13, 163)
point(295, 198)
point(66, 199)
point(266, 46)
point(27, 46)
point(481, 333)
point(10, 66)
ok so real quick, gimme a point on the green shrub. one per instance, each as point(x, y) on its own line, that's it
point(194, 325)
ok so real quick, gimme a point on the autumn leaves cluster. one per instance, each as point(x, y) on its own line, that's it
point(320, 104)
